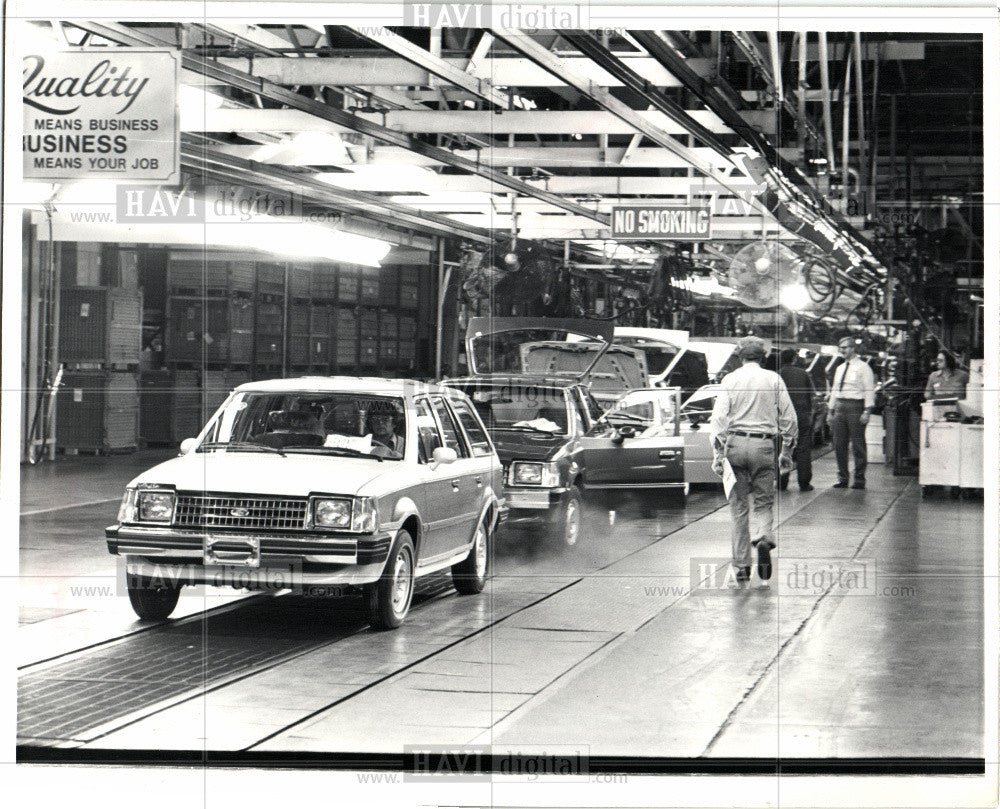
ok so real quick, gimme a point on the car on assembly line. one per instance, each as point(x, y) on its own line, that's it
point(318, 482)
point(555, 441)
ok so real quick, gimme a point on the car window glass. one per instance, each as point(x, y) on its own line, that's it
point(427, 431)
point(702, 407)
point(473, 429)
point(449, 429)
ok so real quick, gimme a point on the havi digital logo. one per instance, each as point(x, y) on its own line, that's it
point(451, 15)
point(485, 15)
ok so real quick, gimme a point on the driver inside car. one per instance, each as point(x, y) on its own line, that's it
point(382, 424)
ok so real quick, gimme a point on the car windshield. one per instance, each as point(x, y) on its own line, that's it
point(513, 406)
point(347, 424)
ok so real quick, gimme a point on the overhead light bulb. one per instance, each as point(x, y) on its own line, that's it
point(762, 264)
point(795, 297)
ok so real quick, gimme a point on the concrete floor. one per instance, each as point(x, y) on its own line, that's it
point(868, 640)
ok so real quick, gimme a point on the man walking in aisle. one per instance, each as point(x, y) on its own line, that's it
point(751, 409)
point(852, 399)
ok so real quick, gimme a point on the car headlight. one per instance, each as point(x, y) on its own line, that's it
point(155, 506)
point(357, 514)
point(534, 474)
point(126, 512)
point(332, 513)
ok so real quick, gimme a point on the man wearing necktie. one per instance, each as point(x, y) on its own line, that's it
point(852, 398)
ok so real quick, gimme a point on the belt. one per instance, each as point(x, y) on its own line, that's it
point(751, 435)
point(845, 399)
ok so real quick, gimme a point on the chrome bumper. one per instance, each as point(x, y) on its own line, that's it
point(248, 549)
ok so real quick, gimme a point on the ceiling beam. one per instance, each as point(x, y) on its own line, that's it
point(501, 71)
point(527, 157)
point(479, 86)
point(545, 58)
point(213, 71)
point(517, 122)
point(429, 182)
point(251, 173)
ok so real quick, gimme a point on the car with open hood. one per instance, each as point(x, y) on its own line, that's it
point(554, 439)
point(318, 482)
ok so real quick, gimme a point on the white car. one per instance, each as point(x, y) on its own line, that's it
point(315, 482)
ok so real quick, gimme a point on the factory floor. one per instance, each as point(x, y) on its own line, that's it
point(866, 642)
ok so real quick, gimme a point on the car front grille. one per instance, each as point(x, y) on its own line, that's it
point(235, 511)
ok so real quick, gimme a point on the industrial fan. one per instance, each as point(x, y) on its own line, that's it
point(760, 271)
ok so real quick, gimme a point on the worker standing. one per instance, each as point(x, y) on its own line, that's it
point(852, 399)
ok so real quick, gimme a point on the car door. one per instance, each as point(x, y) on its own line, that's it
point(441, 508)
point(484, 465)
point(466, 484)
point(637, 444)
point(698, 454)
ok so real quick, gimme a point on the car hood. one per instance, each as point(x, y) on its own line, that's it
point(615, 370)
point(524, 446)
point(259, 473)
point(492, 343)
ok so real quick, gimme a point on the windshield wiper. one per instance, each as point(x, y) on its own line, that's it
point(239, 446)
point(627, 416)
point(345, 451)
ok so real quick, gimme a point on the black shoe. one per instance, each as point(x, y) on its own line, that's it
point(858, 484)
point(743, 574)
point(840, 484)
point(806, 487)
point(764, 560)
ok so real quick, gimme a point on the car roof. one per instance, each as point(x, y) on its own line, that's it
point(375, 385)
point(513, 379)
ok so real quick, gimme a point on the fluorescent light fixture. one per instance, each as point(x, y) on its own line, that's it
point(299, 239)
point(381, 178)
point(795, 297)
point(193, 102)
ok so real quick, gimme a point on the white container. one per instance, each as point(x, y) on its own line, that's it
point(940, 453)
point(971, 464)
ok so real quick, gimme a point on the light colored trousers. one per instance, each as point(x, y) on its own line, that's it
point(752, 460)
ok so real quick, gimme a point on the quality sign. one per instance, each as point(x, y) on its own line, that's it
point(108, 113)
point(660, 222)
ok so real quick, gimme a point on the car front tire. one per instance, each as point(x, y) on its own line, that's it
point(387, 601)
point(152, 603)
point(469, 575)
point(567, 528)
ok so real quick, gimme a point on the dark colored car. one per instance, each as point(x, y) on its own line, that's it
point(554, 440)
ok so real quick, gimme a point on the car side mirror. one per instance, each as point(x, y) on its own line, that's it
point(622, 432)
point(188, 444)
point(443, 455)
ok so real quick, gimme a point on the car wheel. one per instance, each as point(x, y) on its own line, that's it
point(388, 600)
point(566, 529)
point(152, 603)
point(469, 575)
